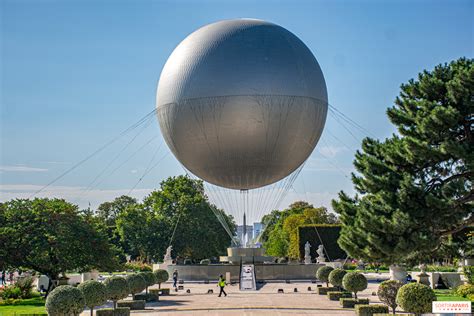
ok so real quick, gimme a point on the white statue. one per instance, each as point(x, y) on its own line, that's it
point(307, 255)
point(320, 251)
point(306, 249)
point(167, 257)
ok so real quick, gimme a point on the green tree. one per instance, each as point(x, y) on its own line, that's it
point(179, 213)
point(109, 211)
point(415, 187)
point(283, 233)
point(143, 231)
point(52, 237)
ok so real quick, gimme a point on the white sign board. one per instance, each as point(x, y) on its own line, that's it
point(452, 307)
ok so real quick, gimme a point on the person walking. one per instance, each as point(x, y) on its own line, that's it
point(221, 284)
point(4, 281)
point(175, 278)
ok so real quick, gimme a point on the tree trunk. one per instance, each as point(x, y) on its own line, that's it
point(159, 286)
point(355, 295)
point(92, 311)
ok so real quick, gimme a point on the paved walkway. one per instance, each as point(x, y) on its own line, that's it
point(266, 301)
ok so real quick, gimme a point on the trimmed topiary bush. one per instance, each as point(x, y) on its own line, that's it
point(94, 292)
point(133, 305)
point(322, 274)
point(149, 278)
point(416, 298)
point(335, 277)
point(117, 288)
point(335, 295)
point(148, 297)
point(161, 276)
point(387, 293)
point(136, 283)
point(369, 310)
point(65, 300)
point(351, 302)
point(354, 282)
point(119, 311)
point(325, 289)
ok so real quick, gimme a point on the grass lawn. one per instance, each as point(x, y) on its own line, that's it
point(11, 310)
point(30, 306)
point(448, 295)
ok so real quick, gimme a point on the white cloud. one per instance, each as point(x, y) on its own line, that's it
point(21, 168)
point(133, 171)
point(74, 194)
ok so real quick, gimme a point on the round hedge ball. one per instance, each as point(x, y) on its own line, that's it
point(354, 282)
point(416, 298)
point(136, 283)
point(95, 293)
point(322, 273)
point(335, 277)
point(161, 275)
point(117, 288)
point(149, 278)
point(387, 292)
point(65, 300)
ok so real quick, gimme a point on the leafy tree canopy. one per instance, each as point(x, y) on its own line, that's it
point(415, 187)
point(51, 236)
point(283, 226)
point(178, 213)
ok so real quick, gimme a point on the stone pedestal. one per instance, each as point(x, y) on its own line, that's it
point(398, 273)
point(423, 278)
point(307, 259)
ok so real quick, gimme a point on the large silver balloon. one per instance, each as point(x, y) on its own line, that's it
point(241, 103)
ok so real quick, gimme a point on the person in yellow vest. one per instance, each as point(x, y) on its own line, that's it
point(221, 284)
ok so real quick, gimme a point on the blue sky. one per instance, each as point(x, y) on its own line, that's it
point(74, 74)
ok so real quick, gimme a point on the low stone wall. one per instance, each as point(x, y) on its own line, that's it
point(267, 272)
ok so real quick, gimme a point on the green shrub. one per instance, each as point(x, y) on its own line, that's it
point(10, 292)
point(25, 284)
point(351, 302)
point(369, 310)
point(94, 292)
point(148, 297)
point(205, 261)
point(65, 300)
point(119, 311)
point(161, 276)
point(335, 277)
point(465, 290)
point(415, 298)
point(354, 282)
point(137, 267)
point(136, 283)
point(324, 290)
point(149, 278)
point(469, 273)
point(387, 293)
point(133, 305)
point(322, 274)
point(117, 288)
point(335, 295)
